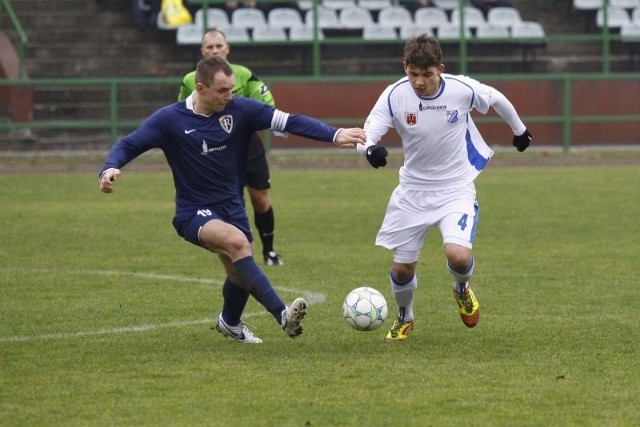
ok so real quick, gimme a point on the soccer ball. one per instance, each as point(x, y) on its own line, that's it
point(364, 309)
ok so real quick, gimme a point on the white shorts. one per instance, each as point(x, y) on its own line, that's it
point(411, 213)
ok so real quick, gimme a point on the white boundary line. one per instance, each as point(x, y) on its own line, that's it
point(310, 297)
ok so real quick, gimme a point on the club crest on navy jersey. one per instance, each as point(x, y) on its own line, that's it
point(226, 122)
point(411, 118)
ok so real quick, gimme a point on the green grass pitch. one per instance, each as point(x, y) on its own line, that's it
point(106, 314)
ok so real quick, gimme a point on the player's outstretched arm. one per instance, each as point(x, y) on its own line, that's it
point(350, 137)
point(107, 179)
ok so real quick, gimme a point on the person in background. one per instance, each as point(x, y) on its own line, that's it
point(443, 154)
point(258, 180)
point(205, 140)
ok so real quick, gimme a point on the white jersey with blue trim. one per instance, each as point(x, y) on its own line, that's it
point(441, 145)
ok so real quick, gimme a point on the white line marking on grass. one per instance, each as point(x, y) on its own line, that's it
point(310, 297)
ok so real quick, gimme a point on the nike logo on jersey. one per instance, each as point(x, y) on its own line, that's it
point(187, 132)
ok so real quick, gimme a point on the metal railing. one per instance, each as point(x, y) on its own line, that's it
point(115, 124)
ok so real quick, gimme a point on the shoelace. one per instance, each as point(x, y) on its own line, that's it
point(467, 302)
point(395, 328)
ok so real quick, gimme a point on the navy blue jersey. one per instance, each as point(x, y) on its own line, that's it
point(208, 154)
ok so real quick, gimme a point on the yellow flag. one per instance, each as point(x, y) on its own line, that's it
point(174, 13)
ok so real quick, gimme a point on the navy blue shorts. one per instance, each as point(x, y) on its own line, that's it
point(189, 222)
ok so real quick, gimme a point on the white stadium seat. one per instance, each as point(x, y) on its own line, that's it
point(327, 18)
point(395, 16)
point(304, 34)
point(189, 34)
point(355, 17)
point(624, 4)
point(451, 32)
point(379, 32)
point(472, 17)
point(446, 4)
point(489, 31)
point(248, 18)
point(235, 34)
point(374, 4)
point(216, 18)
point(413, 30)
point(616, 17)
point(587, 4)
point(527, 30)
point(630, 33)
point(284, 17)
point(430, 17)
point(337, 4)
point(269, 34)
point(506, 16)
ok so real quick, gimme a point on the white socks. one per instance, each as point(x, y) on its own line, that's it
point(404, 296)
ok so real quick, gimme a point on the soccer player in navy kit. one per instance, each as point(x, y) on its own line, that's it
point(205, 140)
point(214, 43)
point(443, 154)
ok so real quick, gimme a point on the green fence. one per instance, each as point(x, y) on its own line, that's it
point(565, 116)
point(115, 124)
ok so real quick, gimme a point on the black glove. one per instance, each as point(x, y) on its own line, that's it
point(377, 156)
point(521, 142)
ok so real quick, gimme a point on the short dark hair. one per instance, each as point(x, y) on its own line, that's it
point(207, 69)
point(215, 30)
point(422, 51)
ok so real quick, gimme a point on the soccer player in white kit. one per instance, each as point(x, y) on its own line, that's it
point(443, 154)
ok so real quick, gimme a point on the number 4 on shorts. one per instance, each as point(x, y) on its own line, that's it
point(463, 221)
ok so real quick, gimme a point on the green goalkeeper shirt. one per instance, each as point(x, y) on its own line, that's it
point(246, 84)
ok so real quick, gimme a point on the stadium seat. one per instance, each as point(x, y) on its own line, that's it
point(374, 4)
point(489, 31)
point(630, 33)
point(379, 32)
point(305, 4)
point(624, 4)
point(451, 32)
point(473, 17)
point(304, 33)
point(430, 17)
point(630, 37)
point(412, 30)
point(528, 30)
point(268, 34)
point(189, 34)
point(235, 34)
point(248, 18)
point(446, 4)
point(587, 4)
point(284, 17)
point(505, 16)
point(327, 18)
point(216, 18)
point(337, 4)
point(355, 17)
point(395, 16)
point(617, 18)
